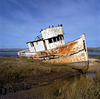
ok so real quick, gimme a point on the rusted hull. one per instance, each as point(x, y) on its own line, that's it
point(73, 53)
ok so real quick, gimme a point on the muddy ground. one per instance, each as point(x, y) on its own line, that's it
point(94, 64)
point(22, 74)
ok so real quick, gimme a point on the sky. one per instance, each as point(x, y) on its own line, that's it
point(22, 20)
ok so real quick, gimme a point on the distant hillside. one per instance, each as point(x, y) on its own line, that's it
point(94, 49)
point(90, 49)
point(11, 49)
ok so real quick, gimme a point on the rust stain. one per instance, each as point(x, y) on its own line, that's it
point(68, 48)
point(65, 53)
point(62, 51)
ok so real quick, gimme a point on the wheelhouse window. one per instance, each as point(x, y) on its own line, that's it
point(58, 38)
point(32, 44)
point(55, 39)
point(61, 37)
point(50, 40)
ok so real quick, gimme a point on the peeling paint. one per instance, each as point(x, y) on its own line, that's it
point(73, 53)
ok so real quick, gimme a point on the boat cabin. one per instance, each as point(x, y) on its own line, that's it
point(51, 38)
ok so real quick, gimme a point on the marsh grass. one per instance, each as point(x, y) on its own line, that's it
point(39, 68)
point(59, 65)
point(12, 68)
point(81, 88)
point(19, 70)
point(22, 73)
point(1, 61)
point(87, 87)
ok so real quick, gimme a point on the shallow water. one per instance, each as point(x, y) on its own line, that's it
point(94, 53)
point(8, 54)
point(90, 74)
point(15, 55)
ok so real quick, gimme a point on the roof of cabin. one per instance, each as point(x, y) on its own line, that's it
point(40, 39)
point(34, 41)
point(52, 27)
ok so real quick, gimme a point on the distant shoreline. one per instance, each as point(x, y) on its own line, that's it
point(93, 49)
point(14, 54)
point(12, 49)
point(90, 49)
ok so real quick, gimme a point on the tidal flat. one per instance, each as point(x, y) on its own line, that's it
point(34, 79)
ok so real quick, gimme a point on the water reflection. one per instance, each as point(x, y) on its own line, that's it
point(90, 74)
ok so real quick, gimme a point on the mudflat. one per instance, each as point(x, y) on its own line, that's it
point(21, 74)
point(94, 64)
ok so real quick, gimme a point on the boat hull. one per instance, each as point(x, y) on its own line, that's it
point(73, 53)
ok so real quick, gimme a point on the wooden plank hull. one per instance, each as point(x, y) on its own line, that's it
point(73, 53)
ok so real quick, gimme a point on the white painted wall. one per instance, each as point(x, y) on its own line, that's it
point(52, 32)
point(54, 44)
point(39, 46)
point(31, 48)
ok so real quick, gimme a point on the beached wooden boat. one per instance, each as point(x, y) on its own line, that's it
point(52, 48)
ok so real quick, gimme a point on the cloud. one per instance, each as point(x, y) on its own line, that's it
point(21, 20)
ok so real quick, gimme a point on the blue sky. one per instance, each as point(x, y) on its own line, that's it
point(21, 20)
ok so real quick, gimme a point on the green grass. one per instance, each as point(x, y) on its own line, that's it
point(39, 68)
point(80, 88)
point(86, 88)
point(59, 65)
point(1, 61)
point(19, 70)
